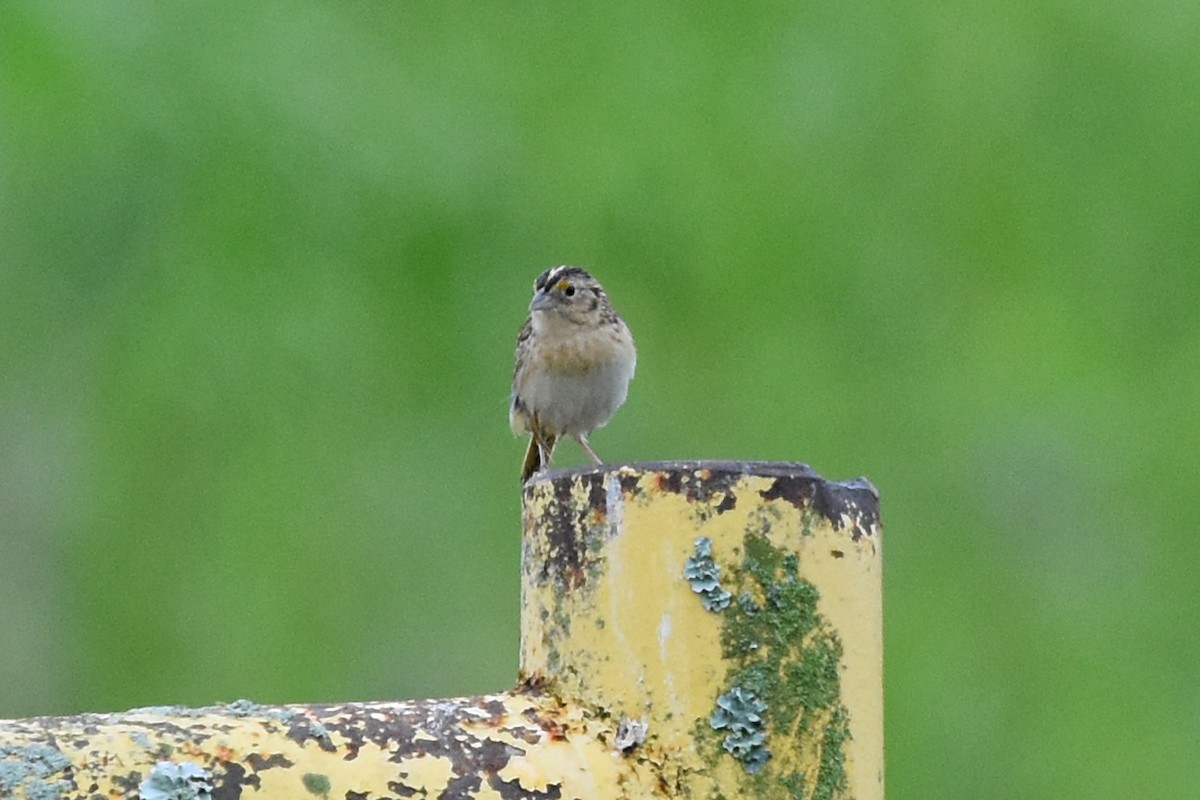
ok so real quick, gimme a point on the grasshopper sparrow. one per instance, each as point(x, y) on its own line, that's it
point(575, 358)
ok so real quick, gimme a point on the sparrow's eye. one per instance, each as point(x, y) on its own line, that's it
point(569, 291)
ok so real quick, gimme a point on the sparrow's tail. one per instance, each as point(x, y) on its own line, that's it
point(533, 456)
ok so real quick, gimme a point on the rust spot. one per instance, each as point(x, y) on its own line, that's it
point(669, 482)
point(496, 712)
point(555, 730)
point(836, 553)
point(533, 683)
point(700, 483)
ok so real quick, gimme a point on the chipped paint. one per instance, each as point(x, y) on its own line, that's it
point(628, 686)
point(510, 745)
point(630, 734)
point(721, 572)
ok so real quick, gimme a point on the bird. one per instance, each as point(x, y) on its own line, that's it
point(575, 358)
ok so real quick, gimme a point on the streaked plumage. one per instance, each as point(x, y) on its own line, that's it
point(575, 358)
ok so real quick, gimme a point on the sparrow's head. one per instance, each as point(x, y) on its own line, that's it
point(569, 293)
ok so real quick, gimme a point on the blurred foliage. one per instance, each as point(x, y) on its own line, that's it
point(261, 267)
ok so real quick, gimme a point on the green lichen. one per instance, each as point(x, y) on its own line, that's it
point(831, 780)
point(794, 783)
point(786, 660)
point(596, 544)
point(316, 783)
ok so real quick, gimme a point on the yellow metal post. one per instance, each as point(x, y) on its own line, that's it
point(734, 608)
point(708, 629)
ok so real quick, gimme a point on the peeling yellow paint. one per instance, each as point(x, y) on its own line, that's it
point(637, 643)
point(612, 631)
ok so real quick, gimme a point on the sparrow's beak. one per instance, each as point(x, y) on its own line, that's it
point(540, 302)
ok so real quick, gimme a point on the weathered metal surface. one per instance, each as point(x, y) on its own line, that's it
point(735, 606)
point(700, 629)
point(517, 745)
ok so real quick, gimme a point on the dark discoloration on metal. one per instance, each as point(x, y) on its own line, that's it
point(302, 729)
point(497, 711)
point(461, 787)
point(526, 735)
point(703, 484)
point(402, 789)
point(795, 489)
point(597, 493)
point(442, 729)
point(228, 784)
point(260, 763)
point(477, 736)
point(352, 743)
point(671, 482)
point(512, 790)
point(854, 503)
point(713, 484)
point(532, 683)
point(566, 558)
point(703, 481)
point(550, 721)
point(129, 782)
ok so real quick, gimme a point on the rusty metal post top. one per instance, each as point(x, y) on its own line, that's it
point(854, 500)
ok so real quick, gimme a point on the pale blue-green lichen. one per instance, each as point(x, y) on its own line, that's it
point(248, 708)
point(45, 790)
point(740, 713)
point(28, 766)
point(171, 781)
point(703, 574)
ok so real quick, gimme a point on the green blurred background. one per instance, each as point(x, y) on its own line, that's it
point(262, 265)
